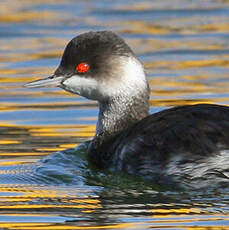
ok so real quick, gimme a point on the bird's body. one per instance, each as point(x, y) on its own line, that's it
point(184, 146)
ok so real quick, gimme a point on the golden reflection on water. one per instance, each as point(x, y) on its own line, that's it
point(56, 139)
point(56, 201)
point(60, 227)
point(150, 28)
point(26, 16)
point(18, 199)
point(189, 64)
point(16, 12)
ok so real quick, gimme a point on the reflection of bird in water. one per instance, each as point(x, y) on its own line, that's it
point(184, 146)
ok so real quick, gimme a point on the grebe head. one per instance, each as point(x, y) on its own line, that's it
point(98, 66)
point(101, 66)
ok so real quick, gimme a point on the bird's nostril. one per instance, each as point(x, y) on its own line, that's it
point(52, 76)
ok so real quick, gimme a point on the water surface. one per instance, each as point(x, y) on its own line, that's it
point(184, 46)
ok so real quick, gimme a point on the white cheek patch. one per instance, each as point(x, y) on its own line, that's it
point(130, 80)
point(126, 81)
point(86, 87)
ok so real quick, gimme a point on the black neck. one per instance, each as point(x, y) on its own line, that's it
point(120, 113)
point(115, 116)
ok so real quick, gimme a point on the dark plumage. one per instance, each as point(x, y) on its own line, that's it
point(194, 133)
point(185, 146)
point(94, 49)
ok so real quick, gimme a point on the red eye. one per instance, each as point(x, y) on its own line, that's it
point(83, 67)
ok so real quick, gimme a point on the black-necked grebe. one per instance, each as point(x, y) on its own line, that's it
point(187, 146)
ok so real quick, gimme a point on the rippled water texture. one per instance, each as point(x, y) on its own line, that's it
point(184, 46)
